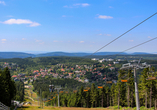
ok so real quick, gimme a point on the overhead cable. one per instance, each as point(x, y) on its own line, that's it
point(123, 33)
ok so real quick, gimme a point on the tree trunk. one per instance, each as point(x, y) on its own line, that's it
point(155, 104)
point(146, 100)
point(110, 101)
point(131, 99)
point(128, 96)
point(96, 102)
point(102, 101)
point(107, 100)
point(118, 98)
point(113, 100)
point(150, 96)
point(87, 103)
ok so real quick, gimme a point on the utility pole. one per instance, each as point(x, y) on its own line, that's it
point(58, 88)
point(136, 90)
point(134, 67)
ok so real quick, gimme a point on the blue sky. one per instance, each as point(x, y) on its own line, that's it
point(76, 25)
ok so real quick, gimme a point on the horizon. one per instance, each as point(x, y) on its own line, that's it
point(43, 52)
point(76, 25)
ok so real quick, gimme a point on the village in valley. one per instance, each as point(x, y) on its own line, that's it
point(104, 70)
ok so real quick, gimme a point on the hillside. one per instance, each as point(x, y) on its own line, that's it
point(6, 55)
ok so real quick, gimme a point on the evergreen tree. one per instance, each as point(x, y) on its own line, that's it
point(130, 86)
point(113, 94)
point(93, 94)
point(7, 86)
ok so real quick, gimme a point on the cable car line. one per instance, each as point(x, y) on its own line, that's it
point(124, 33)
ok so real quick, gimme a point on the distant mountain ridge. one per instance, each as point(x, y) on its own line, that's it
point(15, 55)
point(6, 55)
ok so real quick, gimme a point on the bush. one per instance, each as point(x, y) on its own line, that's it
point(116, 107)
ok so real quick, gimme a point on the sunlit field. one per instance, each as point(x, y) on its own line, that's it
point(59, 108)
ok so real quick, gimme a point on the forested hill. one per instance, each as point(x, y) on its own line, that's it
point(45, 61)
point(62, 54)
point(6, 55)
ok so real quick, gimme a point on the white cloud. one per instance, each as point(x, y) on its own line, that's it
point(37, 40)
point(77, 5)
point(23, 38)
point(65, 6)
point(10, 16)
point(149, 37)
point(85, 4)
point(34, 24)
point(92, 42)
point(42, 43)
point(81, 41)
point(81, 4)
point(107, 34)
point(110, 7)
point(63, 15)
point(131, 40)
point(99, 34)
point(3, 40)
point(55, 41)
point(105, 17)
point(2, 2)
point(21, 21)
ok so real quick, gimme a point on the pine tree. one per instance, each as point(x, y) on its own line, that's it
point(7, 86)
point(113, 94)
point(130, 86)
point(107, 92)
point(81, 96)
point(144, 85)
point(93, 95)
point(101, 95)
point(121, 89)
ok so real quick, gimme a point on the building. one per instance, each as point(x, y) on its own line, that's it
point(115, 62)
point(95, 59)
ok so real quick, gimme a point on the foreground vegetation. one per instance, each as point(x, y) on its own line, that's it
point(120, 94)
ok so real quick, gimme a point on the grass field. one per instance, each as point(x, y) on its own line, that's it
point(59, 108)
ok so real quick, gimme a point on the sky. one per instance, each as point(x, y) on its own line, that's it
point(76, 25)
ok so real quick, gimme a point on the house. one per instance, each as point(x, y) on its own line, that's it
point(70, 74)
point(62, 70)
point(109, 65)
point(104, 78)
point(112, 68)
point(101, 60)
point(14, 76)
point(110, 59)
point(77, 71)
point(16, 79)
point(28, 86)
point(86, 80)
point(120, 60)
point(95, 59)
